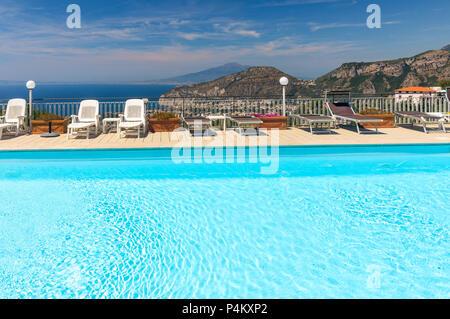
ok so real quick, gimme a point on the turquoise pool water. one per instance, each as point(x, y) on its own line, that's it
point(336, 222)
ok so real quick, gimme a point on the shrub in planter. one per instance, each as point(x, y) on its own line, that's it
point(388, 118)
point(41, 123)
point(163, 122)
point(272, 121)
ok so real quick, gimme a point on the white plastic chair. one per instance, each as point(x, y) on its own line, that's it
point(88, 117)
point(14, 117)
point(133, 118)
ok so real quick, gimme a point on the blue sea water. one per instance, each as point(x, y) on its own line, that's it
point(84, 91)
point(333, 222)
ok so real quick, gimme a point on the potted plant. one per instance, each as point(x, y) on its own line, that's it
point(388, 118)
point(42, 121)
point(272, 121)
point(163, 122)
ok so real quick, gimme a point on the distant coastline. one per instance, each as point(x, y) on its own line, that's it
point(84, 90)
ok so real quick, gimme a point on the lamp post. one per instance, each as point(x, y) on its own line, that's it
point(30, 86)
point(284, 81)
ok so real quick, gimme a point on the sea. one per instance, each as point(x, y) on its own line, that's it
point(84, 91)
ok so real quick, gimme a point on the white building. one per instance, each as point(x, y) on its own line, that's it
point(414, 94)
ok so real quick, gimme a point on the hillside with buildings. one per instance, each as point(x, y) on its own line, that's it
point(425, 69)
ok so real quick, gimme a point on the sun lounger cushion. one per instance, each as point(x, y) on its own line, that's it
point(196, 120)
point(130, 124)
point(249, 120)
point(80, 125)
point(315, 117)
point(418, 115)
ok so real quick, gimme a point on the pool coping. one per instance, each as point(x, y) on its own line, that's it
point(211, 147)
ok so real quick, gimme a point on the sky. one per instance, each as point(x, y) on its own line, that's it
point(137, 40)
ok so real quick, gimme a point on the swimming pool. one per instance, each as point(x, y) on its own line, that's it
point(332, 222)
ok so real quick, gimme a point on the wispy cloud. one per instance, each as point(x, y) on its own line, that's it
point(286, 3)
point(316, 27)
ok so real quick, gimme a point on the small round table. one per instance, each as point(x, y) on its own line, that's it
point(108, 123)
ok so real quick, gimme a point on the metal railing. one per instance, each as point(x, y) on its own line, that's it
point(241, 106)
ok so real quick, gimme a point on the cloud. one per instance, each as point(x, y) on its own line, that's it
point(316, 27)
point(294, 3)
point(250, 33)
point(238, 28)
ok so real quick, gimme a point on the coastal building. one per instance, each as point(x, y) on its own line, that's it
point(414, 94)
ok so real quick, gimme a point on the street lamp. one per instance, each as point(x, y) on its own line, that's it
point(30, 86)
point(284, 81)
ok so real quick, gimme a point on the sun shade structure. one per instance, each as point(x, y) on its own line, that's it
point(241, 122)
point(133, 121)
point(424, 119)
point(14, 118)
point(339, 106)
point(88, 118)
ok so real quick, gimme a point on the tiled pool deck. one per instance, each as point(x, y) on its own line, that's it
point(292, 136)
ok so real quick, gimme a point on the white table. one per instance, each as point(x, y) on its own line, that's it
point(219, 117)
point(109, 122)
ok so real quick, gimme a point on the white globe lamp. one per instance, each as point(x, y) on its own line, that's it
point(31, 85)
point(284, 81)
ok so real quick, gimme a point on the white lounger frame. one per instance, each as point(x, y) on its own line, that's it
point(242, 123)
point(424, 121)
point(14, 118)
point(88, 118)
point(133, 121)
point(325, 120)
point(356, 121)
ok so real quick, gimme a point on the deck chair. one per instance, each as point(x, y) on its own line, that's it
point(344, 111)
point(314, 119)
point(423, 118)
point(133, 121)
point(14, 118)
point(88, 118)
point(241, 122)
point(197, 124)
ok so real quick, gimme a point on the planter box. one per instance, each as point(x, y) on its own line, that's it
point(279, 122)
point(41, 127)
point(388, 120)
point(169, 125)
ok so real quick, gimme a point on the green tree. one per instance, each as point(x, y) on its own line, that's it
point(444, 83)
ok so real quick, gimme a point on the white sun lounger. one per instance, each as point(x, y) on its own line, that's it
point(313, 119)
point(344, 111)
point(88, 118)
point(197, 123)
point(133, 121)
point(242, 122)
point(424, 118)
point(14, 118)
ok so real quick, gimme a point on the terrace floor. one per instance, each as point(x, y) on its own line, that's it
point(292, 136)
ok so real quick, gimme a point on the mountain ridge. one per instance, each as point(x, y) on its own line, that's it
point(208, 74)
point(424, 69)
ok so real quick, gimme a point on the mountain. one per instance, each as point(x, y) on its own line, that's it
point(207, 75)
point(425, 69)
point(252, 82)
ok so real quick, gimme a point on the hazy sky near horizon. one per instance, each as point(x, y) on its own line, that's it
point(138, 40)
